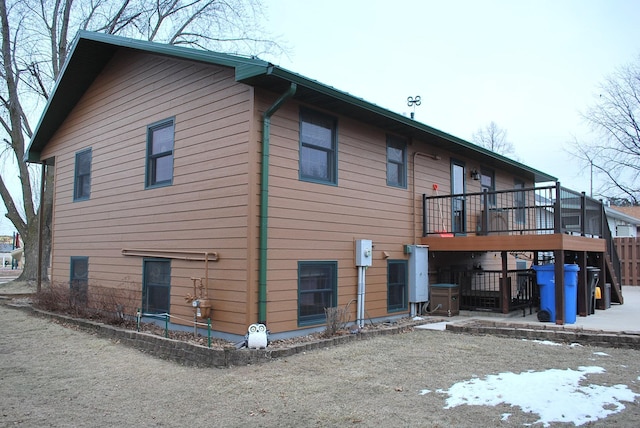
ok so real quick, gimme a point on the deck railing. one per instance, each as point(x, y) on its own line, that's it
point(536, 210)
point(527, 211)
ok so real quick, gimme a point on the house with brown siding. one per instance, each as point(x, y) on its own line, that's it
point(187, 176)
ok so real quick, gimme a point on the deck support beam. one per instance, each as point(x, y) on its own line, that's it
point(505, 285)
point(559, 286)
point(584, 297)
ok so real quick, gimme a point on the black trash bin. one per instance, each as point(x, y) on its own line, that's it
point(593, 274)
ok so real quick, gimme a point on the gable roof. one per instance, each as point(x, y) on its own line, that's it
point(90, 52)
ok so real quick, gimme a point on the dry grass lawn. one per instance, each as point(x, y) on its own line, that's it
point(52, 375)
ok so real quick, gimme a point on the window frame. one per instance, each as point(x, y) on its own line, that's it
point(458, 204)
point(486, 172)
point(79, 178)
point(151, 163)
point(519, 203)
point(307, 115)
point(145, 285)
point(400, 144)
point(317, 318)
point(403, 285)
point(78, 285)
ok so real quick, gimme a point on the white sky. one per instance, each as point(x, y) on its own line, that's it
point(530, 66)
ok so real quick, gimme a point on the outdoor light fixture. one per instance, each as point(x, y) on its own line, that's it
point(475, 174)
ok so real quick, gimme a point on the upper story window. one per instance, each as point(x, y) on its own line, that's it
point(160, 153)
point(519, 202)
point(318, 148)
point(82, 176)
point(396, 162)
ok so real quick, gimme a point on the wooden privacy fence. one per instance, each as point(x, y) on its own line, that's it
point(629, 253)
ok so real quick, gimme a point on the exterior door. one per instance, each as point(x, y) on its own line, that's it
point(458, 217)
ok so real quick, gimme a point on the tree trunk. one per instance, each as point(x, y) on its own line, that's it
point(31, 235)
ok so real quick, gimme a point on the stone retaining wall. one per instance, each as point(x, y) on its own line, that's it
point(191, 354)
point(552, 332)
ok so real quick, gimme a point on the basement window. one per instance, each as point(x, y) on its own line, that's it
point(79, 280)
point(317, 290)
point(156, 286)
point(396, 285)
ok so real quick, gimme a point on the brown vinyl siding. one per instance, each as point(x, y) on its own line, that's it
point(313, 221)
point(213, 203)
point(205, 209)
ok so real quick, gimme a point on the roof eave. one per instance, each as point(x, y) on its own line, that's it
point(77, 75)
point(255, 75)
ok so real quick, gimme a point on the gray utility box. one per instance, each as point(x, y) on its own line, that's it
point(418, 273)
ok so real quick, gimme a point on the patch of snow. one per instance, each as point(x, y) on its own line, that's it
point(505, 416)
point(433, 326)
point(556, 395)
point(544, 342)
point(425, 391)
point(602, 354)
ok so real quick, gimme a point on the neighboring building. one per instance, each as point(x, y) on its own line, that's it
point(624, 222)
point(11, 251)
point(173, 164)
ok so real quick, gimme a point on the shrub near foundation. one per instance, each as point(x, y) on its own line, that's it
point(109, 305)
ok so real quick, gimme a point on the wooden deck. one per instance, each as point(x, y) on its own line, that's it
point(544, 242)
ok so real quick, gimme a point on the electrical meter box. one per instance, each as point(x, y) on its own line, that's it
point(418, 273)
point(364, 252)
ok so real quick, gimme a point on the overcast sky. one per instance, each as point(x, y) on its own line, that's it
point(530, 66)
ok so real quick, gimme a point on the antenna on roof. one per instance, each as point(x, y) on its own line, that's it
point(413, 102)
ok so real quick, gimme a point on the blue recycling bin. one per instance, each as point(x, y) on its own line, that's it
point(546, 279)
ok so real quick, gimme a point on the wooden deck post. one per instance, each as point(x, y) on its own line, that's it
point(584, 297)
point(559, 286)
point(505, 285)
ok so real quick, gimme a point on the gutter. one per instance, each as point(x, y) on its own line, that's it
point(264, 202)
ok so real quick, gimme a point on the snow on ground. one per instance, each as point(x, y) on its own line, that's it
point(544, 342)
point(555, 395)
point(434, 326)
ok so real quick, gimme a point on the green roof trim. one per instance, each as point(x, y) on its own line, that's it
point(90, 52)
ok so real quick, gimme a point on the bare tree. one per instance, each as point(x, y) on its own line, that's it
point(36, 37)
point(494, 138)
point(615, 118)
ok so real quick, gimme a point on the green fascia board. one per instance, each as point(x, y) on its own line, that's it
point(91, 51)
